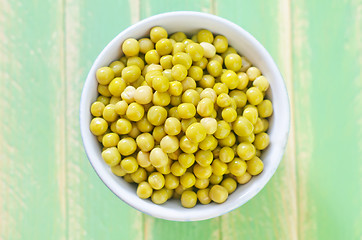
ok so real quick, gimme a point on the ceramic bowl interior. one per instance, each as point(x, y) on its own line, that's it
point(246, 45)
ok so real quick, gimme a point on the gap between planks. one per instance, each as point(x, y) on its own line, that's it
point(358, 99)
point(61, 123)
point(302, 52)
point(285, 48)
point(4, 215)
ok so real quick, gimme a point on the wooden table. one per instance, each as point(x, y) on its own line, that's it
point(48, 189)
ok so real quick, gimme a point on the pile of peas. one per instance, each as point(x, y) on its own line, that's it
point(183, 118)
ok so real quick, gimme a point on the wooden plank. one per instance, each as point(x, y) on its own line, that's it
point(162, 229)
point(327, 76)
point(48, 188)
point(31, 205)
point(93, 211)
point(272, 214)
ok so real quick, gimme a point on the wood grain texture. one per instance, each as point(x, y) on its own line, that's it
point(48, 189)
point(327, 120)
point(30, 78)
point(93, 212)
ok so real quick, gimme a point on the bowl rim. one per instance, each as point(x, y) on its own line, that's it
point(249, 194)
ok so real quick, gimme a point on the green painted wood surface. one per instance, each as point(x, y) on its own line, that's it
point(48, 190)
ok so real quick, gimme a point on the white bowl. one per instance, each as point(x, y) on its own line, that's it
point(245, 44)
